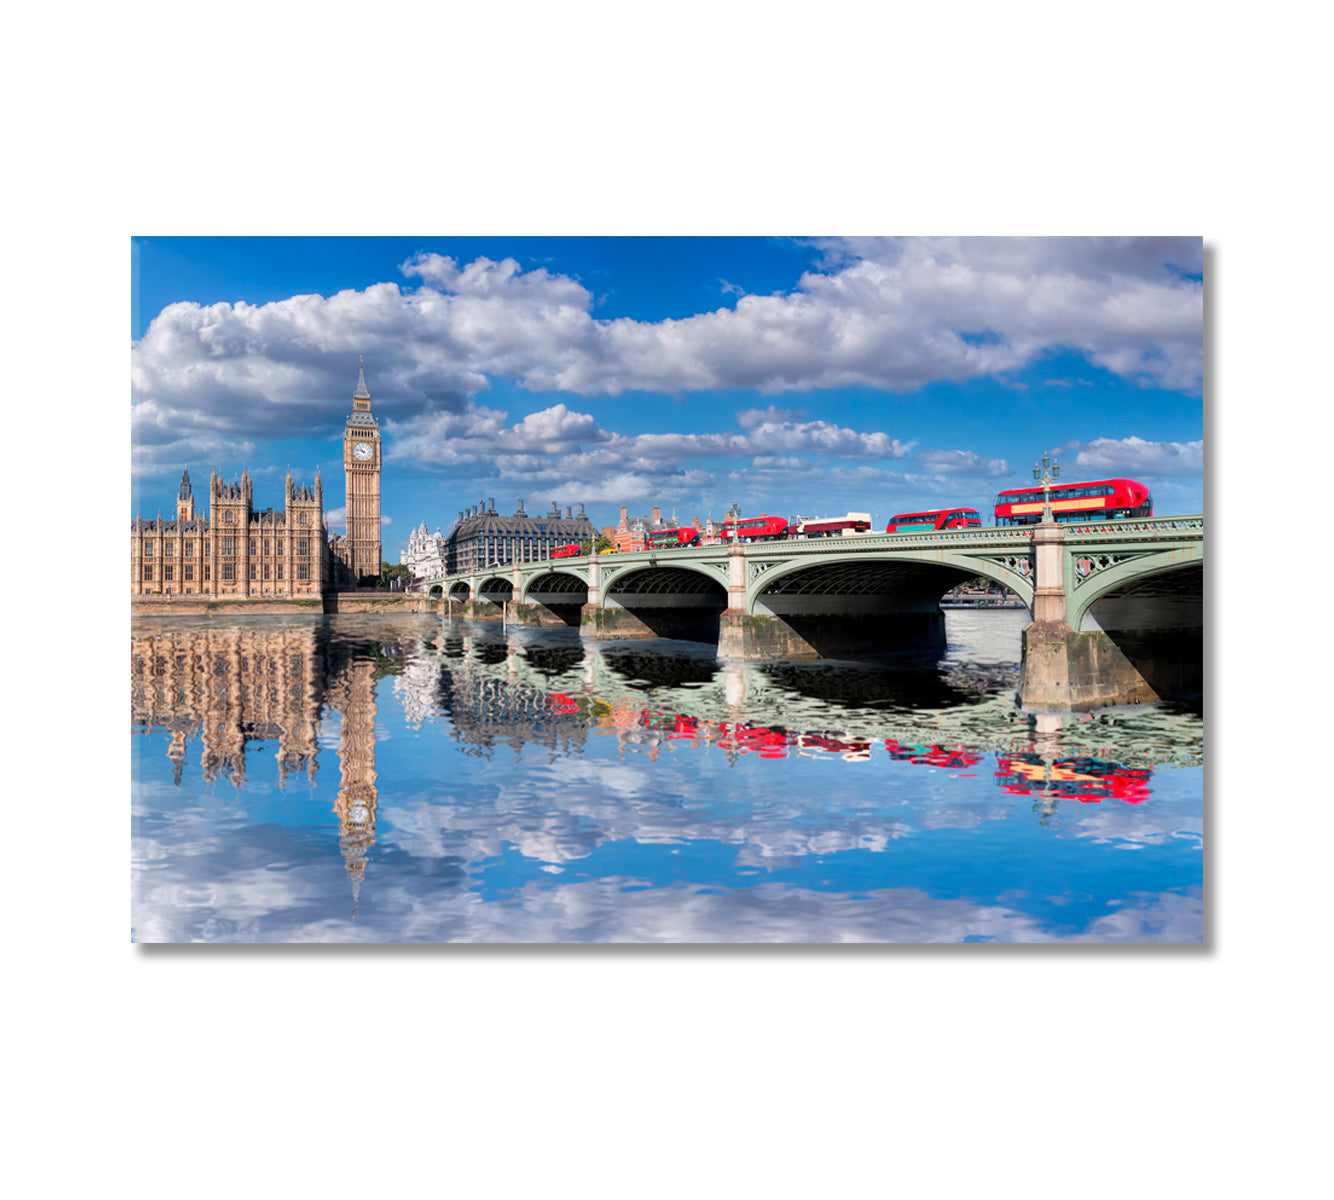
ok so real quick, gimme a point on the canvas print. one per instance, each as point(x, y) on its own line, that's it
point(752, 590)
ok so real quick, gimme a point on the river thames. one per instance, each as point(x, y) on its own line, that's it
point(412, 778)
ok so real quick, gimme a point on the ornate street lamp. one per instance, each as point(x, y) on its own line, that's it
point(1046, 473)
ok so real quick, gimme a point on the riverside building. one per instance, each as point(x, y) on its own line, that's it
point(233, 549)
point(482, 537)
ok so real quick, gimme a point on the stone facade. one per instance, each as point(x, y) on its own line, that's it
point(357, 553)
point(236, 551)
point(233, 550)
point(425, 555)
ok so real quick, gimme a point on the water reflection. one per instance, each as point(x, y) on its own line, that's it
point(522, 785)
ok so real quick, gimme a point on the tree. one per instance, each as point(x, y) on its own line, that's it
point(391, 571)
point(589, 546)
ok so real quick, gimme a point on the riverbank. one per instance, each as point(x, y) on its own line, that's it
point(367, 600)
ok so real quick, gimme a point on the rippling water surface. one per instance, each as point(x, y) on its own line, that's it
point(415, 779)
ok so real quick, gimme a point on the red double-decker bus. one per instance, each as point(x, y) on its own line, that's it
point(670, 539)
point(934, 519)
point(754, 529)
point(567, 551)
point(1094, 500)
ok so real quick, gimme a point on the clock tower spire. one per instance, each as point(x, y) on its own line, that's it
point(361, 468)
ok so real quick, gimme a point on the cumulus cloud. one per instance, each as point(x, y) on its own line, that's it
point(750, 417)
point(558, 443)
point(892, 314)
point(963, 462)
point(1134, 456)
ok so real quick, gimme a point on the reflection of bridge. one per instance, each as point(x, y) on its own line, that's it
point(521, 686)
point(1117, 606)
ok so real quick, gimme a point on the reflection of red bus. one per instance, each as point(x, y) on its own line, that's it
point(836, 526)
point(767, 743)
point(1096, 500)
point(932, 756)
point(567, 551)
point(834, 743)
point(1088, 780)
point(754, 528)
point(933, 519)
point(669, 539)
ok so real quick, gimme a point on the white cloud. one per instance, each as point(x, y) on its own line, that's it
point(963, 462)
point(1135, 457)
point(558, 444)
point(892, 314)
point(750, 417)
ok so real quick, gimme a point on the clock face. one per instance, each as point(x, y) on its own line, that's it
point(362, 451)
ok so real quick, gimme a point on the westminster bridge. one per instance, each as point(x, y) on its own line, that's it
point(1117, 606)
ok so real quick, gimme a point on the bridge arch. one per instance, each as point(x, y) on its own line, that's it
point(1173, 580)
point(881, 601)
point(495, 588)
point(677, 568)
point(883, 574)
point(670, 600)
point(459, 591)
point(556, 595)
point(556, 582)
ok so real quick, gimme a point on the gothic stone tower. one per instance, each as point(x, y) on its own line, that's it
point(361, 464)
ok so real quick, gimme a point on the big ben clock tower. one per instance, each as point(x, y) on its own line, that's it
point(361, 466)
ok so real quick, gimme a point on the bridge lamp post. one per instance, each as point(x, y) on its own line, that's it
point(1046, 473)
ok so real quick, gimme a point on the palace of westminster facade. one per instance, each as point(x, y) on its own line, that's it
point(234, 550)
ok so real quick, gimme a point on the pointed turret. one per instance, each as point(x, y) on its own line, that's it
point(361, 398)
point(185, 500)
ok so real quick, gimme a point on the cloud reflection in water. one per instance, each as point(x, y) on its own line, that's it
point(527, 787)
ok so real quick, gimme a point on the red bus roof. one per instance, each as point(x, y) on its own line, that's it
point(1072, 483)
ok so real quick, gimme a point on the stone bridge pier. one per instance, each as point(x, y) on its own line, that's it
point(1129, 639)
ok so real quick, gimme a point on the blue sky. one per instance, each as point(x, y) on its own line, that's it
point(809, 376)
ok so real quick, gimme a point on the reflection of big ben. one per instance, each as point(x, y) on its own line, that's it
point(354, 696)
point(361, 465)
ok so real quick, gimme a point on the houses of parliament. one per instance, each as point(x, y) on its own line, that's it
point(235, 550)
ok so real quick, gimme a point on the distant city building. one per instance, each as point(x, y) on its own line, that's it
point(482, 537)
point(233, 550)
point(632, 533)
point(425, 555)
